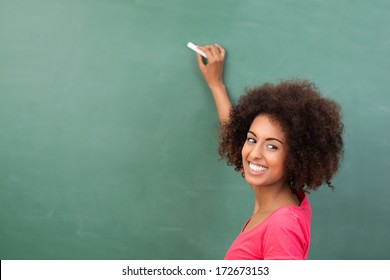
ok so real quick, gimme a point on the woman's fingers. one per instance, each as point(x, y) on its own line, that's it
point(221, 50)
point(213, 52)
point(200, 61)
point(207, 51)
point(212, 71)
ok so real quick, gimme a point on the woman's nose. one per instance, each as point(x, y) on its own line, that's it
point(257, 152)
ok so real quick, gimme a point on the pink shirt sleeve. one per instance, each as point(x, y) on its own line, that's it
point(285, 238)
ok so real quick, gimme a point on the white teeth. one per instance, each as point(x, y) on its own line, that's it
point(256, 168)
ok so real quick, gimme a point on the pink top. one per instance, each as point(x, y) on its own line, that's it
point(285, 234)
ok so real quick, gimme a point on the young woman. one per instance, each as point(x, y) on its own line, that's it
point(285, 139)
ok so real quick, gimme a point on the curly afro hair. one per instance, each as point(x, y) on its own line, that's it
point(311, 124)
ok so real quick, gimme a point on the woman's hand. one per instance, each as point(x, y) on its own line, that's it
point(212, 71)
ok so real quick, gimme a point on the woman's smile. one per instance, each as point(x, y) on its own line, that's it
point(257, 168)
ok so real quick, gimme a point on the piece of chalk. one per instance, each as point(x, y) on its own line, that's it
point(195, 49)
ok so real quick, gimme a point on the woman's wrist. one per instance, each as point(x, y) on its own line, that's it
point(217, 87)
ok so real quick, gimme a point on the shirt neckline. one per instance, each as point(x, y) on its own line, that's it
point(302, 200)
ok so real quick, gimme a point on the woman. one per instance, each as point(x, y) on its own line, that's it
point(285, 139)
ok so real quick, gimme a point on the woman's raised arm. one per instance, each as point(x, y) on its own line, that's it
point(212, 73)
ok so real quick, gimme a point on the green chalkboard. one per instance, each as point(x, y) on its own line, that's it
point(108, 134)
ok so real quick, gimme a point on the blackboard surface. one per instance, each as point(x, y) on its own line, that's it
point(108, 139)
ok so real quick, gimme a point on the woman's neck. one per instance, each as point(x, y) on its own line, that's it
point(268, 199)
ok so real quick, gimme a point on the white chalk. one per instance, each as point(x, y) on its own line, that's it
point(195, 49)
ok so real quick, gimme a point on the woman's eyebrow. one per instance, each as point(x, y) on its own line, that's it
point(270, 138)
point(275, 140)
point(252, 133)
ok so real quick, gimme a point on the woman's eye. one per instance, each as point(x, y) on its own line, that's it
point(272, 147)
point(251, 140)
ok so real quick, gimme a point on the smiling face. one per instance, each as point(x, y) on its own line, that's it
point(264, 153)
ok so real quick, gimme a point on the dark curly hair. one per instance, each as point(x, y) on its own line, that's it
point(311, 124)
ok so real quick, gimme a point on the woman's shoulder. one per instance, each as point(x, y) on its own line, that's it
point(291, 214)
point(286, 214)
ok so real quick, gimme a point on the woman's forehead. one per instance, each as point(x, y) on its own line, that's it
point(266, 126)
